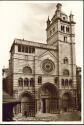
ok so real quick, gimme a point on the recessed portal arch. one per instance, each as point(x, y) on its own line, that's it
point(27, 104)
point(67, 102)
point(48, 98)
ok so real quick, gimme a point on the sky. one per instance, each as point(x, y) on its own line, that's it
point(23, 19)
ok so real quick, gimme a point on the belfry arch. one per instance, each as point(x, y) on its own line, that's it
point(48, 98)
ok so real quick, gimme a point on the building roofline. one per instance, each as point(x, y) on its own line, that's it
point(32, 43)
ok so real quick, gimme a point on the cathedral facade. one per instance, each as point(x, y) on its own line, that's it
point(43, 76)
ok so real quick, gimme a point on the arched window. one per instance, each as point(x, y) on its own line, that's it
point(66, 72)
point(65, 39)
point(39, 79)
point(23, 48)
point(56, 80)
point(33, 49)
point(70, 82)
point(26, 82)
point(62, 82)
point(27, 70)
point(67, 29)
point(66, 82)
point(20, 81)
point(65, 60)
point(32, 82)
point(62, 28)
point(19, 48)
point(26, 49)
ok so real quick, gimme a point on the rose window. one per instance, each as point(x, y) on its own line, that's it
point(48, 65)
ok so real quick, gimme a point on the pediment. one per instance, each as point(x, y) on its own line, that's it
point(47, 54)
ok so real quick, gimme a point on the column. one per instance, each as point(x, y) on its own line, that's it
point(47, 105)
point(41, 108)
point(59, 105)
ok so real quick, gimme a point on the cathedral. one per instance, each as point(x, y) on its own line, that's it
point(43, 76)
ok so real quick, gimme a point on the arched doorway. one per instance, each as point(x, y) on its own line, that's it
point(48, 98)
point(66, 102)
point(27, 104)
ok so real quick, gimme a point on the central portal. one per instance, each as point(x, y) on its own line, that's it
point(48, 98)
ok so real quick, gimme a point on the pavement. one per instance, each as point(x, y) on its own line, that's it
point(64, 116)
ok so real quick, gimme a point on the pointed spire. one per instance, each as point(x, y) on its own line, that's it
point(59, 5)
point(71, 13)
point(71, 17)
point(48, 21)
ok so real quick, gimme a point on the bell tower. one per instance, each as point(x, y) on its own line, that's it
point(53, 26)
point(60, 33)
point(59, 27)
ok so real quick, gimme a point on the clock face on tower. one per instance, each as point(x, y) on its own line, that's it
point(48, 65)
